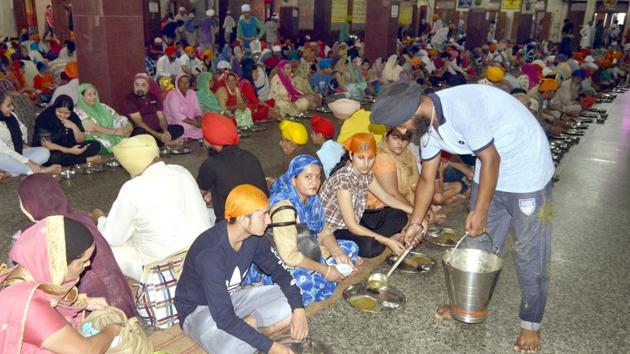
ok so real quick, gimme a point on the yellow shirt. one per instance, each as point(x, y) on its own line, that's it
point(359, 122)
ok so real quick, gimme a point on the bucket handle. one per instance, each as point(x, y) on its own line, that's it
point(494, 249)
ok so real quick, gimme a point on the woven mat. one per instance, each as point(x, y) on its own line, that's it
point(174, 341)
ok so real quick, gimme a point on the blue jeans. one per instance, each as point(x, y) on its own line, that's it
point(529, 216)
point(38, 155)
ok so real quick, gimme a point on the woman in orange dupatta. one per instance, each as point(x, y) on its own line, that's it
point(39, 303)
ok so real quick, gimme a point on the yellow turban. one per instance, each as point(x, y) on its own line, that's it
point(135, 154)
point(495, 74)
point(548, 85)
point(244, 200)
point(361, 143)
point(294, 132)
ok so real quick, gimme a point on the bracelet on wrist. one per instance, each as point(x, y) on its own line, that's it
point(327, 272)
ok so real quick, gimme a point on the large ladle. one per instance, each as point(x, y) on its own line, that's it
point(379, 280)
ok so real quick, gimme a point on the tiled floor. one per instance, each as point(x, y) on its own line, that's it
point(588, 309)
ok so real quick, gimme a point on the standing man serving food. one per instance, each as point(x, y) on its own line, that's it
point(512, 181)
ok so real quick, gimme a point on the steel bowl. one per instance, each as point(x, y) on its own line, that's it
point(447, 237)
point(415, 262)
point(112, 163)
point(434, 231)
point(67, 174)
point(387, 298)
point(180, 150)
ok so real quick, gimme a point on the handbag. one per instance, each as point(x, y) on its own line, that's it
point(130, 340)
point(373, 219)
point(307, 242)
point(156, 292)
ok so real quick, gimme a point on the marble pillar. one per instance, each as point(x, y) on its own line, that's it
point(110, 46)
point(380, 31)
point(590, 11)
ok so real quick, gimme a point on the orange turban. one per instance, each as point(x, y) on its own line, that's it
point(244, 200)
point(189, 50)
point(219, 129)
point(605, 63)
point(492, 47)
point(617, 55)
point(548, 85)
point(72, 69)
point(361, 143)
point(416, 61)
point(579, 56)
point(433, 52)
point(207, 53)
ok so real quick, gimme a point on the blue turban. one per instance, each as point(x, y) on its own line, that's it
point(311, 212)
point(324, 63)
point(579, 73)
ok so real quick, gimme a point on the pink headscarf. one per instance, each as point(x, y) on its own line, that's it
point(34, 251)
point(532, 74)
point(41, 196)
point(179, 106)
point(294, 94)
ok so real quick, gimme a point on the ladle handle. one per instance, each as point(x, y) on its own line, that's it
point(398, 261)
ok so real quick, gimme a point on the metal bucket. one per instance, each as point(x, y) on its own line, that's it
point(471, 276)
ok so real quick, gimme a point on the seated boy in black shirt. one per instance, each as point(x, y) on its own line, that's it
point(214, 310)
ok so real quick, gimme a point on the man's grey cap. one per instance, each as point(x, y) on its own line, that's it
point(396, 104)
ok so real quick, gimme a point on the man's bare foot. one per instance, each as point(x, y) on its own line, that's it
point(52, 169)
point(437, 219)
point(97, 159)
point(443, 312)
point(176, 142)
point(527, 342)
point(4, 177)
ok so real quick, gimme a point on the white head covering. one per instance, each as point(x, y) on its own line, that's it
point(391, 72)
point(246, 8)
point(589, 59)
point(181, 8)
point(262, 85)
point(255, 46)
point(275, 16)
point(157, 40)
point(210, 12)
point(343, 108)
point(223, 65)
